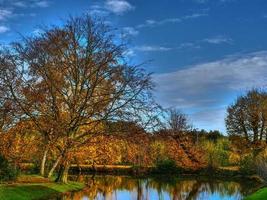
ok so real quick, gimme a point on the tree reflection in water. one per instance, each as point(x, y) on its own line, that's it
point(124, 188)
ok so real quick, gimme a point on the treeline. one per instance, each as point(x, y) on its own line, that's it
point(128, 145)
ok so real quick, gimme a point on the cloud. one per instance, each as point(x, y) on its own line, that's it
point(154, 23)
point(206, 1)
point(129, 53)
point(210, 85)
point(158, 48)
point(218, 40)
point(201, 1)
point(195, 15)
point(4, 14)
point(186, 45)
point(20, 4)
point(98, 10)
point(41, 4)
point(4, 29)
point(37, 32)
point(118, 7)
point(147, 48)
point(13, 4)
point(130, 31)
point(212, 119)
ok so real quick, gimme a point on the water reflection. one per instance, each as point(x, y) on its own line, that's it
point(124, 188)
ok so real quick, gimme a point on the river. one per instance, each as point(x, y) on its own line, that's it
point(107, 187)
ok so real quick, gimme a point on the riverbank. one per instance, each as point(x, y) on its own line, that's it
point(29, 187)
point(222, 172)
point(259, 195)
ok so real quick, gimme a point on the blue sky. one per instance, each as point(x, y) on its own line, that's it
point(203, 53)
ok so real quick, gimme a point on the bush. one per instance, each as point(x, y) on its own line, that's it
point(166, 166)
point(234, 158)
point(217, 153)
point(261, 164)
point(7, 171)
point(247, 164)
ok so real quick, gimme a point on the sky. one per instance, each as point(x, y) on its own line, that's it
point(202, 53)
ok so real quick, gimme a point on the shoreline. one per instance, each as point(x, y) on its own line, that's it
point(36, 187)
point(223, 173)
point(29, 187)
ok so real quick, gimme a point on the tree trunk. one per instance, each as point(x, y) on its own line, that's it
point(42, 167)
point(53, 167)
point(63, 173)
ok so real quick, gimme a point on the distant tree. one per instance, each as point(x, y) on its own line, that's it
point(178, 122)
point(247, 116)
point(214, 135)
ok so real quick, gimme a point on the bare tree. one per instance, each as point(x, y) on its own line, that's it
point(70, 80)
point(178, 121)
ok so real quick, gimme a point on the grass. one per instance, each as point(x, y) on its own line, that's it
point(259, 195)
point(35, 187)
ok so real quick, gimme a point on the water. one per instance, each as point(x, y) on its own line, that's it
point(129, 188)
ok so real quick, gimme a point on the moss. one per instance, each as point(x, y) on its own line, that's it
point(259, 195)
point(28, 191)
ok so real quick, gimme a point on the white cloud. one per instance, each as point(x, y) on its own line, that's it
point(201, 1)
point(211, 85)
point(37, 32)
point(41, 4)
point(98, 10)
point(195, 15)
point(118, 7)
point(153, 23)
point(213, 119)
point(4, 14)
point(206, 1)
point(233, 73)
point(218, 40)
point(3, 29)
point(147, 48)
point(130, 31)
point(158, 48)
point(20, 4)
point(129, 53)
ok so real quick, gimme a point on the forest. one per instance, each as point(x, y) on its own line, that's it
point(70, 101)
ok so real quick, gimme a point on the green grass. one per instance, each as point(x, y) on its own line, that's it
point(259, 195)
point(30, 191)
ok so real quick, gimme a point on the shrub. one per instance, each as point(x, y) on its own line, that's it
point(247, 164)
point(217, 153)
point(234, 158)
point(7, 171)
point(158, 150)
point(261, 164)
point(166, 166)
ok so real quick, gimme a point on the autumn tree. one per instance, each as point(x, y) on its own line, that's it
point(247, 116)
point(71, 77)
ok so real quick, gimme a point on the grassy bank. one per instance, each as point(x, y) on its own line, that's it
point(259, 195)
point(35, 187)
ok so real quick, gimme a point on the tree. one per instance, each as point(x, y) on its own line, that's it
point(72, 77)
point(178, 121)
point(247, 116)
